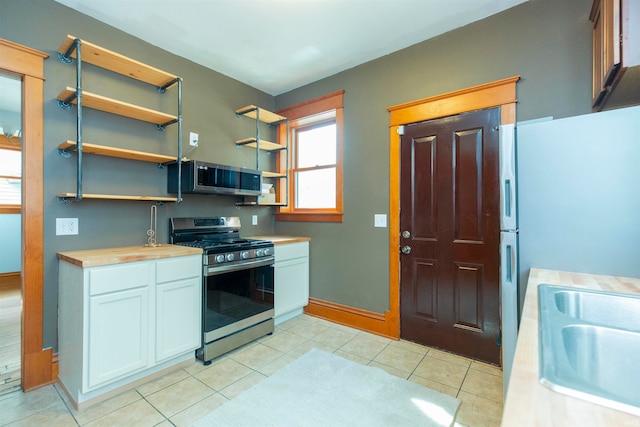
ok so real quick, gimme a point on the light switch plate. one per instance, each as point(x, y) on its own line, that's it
point(254, 219)
point(66, 226)
point(380, 220)
point(193, 139)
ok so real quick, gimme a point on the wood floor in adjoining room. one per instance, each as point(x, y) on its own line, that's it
point(185, 395)
point(10, 314)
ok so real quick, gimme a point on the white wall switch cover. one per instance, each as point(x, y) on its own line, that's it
point(66, 226)
point(193, 139)
point(254, 219)
point(380, 220)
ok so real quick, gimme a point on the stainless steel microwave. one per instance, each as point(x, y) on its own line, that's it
point(210, 178)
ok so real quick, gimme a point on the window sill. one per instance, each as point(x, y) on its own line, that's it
point(309, 217)
point(10, 209)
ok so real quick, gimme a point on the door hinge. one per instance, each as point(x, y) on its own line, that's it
point(400, 130)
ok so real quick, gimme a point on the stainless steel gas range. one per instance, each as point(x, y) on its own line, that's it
point(237, 282)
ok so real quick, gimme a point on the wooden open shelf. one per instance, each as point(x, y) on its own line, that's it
point(264, 144)
point(121, 153)
point(118, 197)
point(265, 115)
point(266, 174)
point(117, 63)
point(113, 106)
point(260, 204)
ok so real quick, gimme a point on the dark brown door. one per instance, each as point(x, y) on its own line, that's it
point(449, 218)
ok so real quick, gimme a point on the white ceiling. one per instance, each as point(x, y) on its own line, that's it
point(279, 45)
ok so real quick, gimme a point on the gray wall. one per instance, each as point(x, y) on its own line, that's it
point(11, 258)
point(546, 42)
point(210, 100)
point(578, 203)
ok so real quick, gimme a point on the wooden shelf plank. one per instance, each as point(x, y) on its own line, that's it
point(109, 105)
point(121, 153)
point(260, 204)
point(107, 59)
point(118, 197)
point(266, 174)
point(264, 145)
point(265, 115)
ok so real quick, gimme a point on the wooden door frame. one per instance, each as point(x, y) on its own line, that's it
point(500, 93)
point(37, 364)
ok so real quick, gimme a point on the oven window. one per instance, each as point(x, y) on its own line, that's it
point(237, 295)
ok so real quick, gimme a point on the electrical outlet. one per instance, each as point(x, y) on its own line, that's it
point(254, 220)
point(380, 220)
point(193, 139)
point(66, 226)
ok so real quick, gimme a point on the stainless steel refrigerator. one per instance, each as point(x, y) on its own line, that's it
point(578, 203)
point(508, 249)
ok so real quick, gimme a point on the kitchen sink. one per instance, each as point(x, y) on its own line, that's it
point(602, 308)
point(590, 345)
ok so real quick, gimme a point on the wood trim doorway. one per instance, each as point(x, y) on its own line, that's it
point(37, 364)
point(500, 93)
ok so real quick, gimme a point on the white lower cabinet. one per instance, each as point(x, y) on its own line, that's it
point(118, 335)
point(119, 323)
point(175, 315)
point(291, 276)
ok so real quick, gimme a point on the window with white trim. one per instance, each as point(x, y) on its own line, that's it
point(315, 159)
point(10, 180)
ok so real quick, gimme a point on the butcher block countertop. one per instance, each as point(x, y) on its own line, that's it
point(97, 257)
point(529, 403)
point(282, 240)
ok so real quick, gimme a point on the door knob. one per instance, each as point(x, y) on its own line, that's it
point(406, 249)
point(406, 234)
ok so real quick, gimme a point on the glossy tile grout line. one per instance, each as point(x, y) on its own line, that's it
point(185, 395)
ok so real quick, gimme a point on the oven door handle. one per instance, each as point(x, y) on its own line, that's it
point(220, 269)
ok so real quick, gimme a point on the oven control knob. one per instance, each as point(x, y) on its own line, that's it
point(244, 254)
point(230, 257)
point(267, 251)
point(219, 258)
point(259, 252)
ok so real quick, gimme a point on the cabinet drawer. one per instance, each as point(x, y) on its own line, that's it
point(291, 251)
point(118, 278)
point(169, 270)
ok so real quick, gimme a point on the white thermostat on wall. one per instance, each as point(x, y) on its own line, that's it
point(380, 220)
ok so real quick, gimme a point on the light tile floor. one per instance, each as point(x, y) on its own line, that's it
point(10, 316)
point(185, 395)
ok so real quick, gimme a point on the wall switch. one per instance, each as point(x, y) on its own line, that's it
point(380, 220)
point(254, 219)
point(66, 226)
point(193, 139)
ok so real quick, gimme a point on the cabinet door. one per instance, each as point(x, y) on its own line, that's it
point(118, 338)
point(291, 285)
point(606, 46)
point(178, 317)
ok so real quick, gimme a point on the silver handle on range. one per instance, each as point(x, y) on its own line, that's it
point(212, 270)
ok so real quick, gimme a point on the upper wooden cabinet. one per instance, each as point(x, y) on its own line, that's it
point(616, 53)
